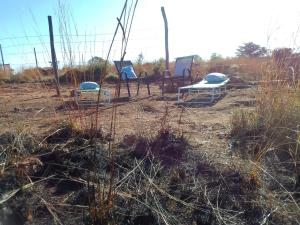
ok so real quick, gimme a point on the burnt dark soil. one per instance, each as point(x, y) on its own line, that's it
point(154, 181)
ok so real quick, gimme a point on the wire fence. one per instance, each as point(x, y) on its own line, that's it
point(74, 49)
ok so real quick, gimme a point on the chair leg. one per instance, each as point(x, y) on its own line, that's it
point(163, 86)
point(127, 84)
point(119, 88)
point(172, 83)
point(146, 80)
point(148, 88)
point(138, 87)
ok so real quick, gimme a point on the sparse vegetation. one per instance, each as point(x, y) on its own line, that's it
point(145, 159)
point(165, 175)
point(149, 161)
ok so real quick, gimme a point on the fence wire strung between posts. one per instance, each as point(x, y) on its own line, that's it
point(18, 51)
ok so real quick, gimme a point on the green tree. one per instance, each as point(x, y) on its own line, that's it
point(96, 60)
point(198, 59)
point(96, 67)
point(140, 59)
point(250, 49)
point(139, 63)
point(215, 56)
point(159, 65)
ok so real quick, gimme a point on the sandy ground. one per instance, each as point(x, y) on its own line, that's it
point(34, 108)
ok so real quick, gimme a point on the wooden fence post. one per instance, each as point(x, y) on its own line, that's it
point(36, 62)
point(2, 58)
point(166, 48)
point(53, 55)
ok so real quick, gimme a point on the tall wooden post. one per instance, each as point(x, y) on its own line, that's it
point(53, 55)
point(36, 62)
point(2, 58)
point(166, 37)
point(166, 72)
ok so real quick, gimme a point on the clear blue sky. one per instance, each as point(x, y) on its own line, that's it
point(195, 27)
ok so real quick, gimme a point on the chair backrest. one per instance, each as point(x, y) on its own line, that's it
point(183, 66)
point(125, 67)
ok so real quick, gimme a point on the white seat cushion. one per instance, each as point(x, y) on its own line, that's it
point(89, 86)
point(215, 78)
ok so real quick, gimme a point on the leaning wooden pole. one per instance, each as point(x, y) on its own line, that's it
point(166, 37)
point(53, 55)
point(166, 47)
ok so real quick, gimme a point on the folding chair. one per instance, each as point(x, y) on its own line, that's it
point(126, 73)
point(182, 72)
point(213, 85)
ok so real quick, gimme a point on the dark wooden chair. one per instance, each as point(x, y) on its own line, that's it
point(127, 74)
point(182, 73)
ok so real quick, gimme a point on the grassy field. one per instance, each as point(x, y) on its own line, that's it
point(149, 160)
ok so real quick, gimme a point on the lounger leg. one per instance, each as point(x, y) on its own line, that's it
point(109, 98)
point(76, 97)
point(213, 95)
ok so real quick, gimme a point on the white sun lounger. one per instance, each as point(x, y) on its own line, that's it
point(88, 94)
point(210, 88)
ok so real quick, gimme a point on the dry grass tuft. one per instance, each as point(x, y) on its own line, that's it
point(30, 75)
point(270, 134)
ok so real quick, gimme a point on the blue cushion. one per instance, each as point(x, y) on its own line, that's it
point(128, 70)
point(89, 86)
point(215, 78)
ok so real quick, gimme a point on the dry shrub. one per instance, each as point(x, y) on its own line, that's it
point(4, 75)
point(166, 144)
point(30, 75)
point(250, 68)
point(247, 68)
point(274, 125)
point(278, 106)
point(244, 123)
point(68, 130)
point(277, 111)
point(270, 135)
point(75, 75)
